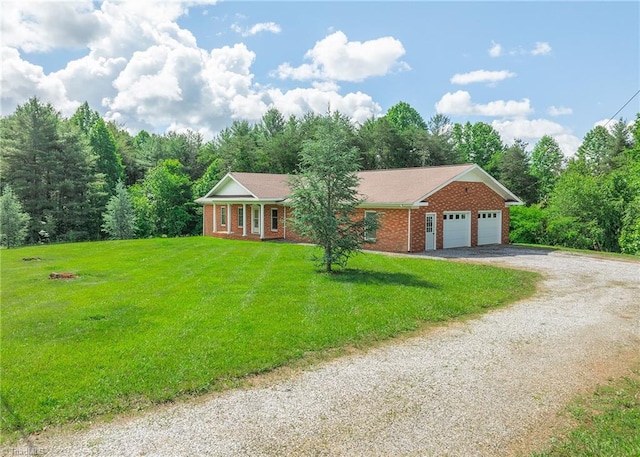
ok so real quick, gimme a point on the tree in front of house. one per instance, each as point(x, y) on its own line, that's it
point(120, 217)
point(324, 195)
point(14, 222)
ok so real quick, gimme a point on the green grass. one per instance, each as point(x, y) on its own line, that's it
point(149, 321)
point(607, 423)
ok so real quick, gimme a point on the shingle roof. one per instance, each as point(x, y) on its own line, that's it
point(406, 185)
point(264, 185)
point(380, 187)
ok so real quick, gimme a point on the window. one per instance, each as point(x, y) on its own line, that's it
point(223, 215)
point(274, 219)
point(370, 218)
point(241, 217)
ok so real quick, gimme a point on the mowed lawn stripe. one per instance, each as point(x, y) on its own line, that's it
point(149, 321)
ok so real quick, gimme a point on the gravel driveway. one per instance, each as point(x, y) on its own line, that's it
point(489, 386)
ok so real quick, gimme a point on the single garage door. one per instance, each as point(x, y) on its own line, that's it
point(456, 229)
point(489, 227)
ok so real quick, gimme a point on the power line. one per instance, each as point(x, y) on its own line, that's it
point(628, 101)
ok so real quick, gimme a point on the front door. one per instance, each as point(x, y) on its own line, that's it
point(430, 232)
point(255, 219)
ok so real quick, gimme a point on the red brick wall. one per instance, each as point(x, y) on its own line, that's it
point(394, 222)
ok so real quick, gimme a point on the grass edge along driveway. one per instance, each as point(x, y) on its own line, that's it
point(150, 321)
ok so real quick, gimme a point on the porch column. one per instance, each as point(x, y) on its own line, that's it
point(284, 222)
point(215, 219)
point(244, 219)
point(228, 218)
point(261, 221)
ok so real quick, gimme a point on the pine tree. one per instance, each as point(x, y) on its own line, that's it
point(324, 196)
point(14, 222)
point(119, 219)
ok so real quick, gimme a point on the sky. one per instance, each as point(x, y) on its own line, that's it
point(526, 68)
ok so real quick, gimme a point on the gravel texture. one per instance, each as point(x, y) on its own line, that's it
point(488, 386)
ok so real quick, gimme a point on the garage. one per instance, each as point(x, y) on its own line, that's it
point(456, 230)
point(489, 227)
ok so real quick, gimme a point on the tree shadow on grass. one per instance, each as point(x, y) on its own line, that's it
point(373, 278)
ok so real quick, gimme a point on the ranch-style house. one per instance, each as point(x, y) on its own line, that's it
point(418, 209)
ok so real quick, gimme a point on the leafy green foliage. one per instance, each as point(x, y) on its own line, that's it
point(403, 116)
point(324, 196)
point(479, 143)
point(119, 219)
point(546, 165)
point(528, 224)
point(148, 321)
point(13, 221)
point(169, 191)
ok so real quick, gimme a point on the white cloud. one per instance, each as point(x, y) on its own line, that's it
point(542, 49)
point(459, 103)
point(144, 71)
point(42, 26)
point(271, 27)
point(338, 59)
point(495, 50)
point(559, 111)
point(481, 76)
point(534, 129)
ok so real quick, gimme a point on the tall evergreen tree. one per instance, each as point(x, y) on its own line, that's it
point(119, 219)
point(515, 173)
point(14, 222)
point(108, 162)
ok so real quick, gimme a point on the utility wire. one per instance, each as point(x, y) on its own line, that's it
point(628, 101)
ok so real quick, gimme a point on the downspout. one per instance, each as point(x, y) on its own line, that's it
point(284, 222)
point(228, 218)
point(203, 219)
point(409, 231)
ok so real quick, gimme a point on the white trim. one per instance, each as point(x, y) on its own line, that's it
point(215, 219)
point(229, 218)
point(244, 219)
point(284, 222)
point(271, 219)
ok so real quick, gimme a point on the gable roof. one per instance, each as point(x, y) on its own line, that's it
point(394, 187)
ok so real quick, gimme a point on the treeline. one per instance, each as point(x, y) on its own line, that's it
point(86, 179)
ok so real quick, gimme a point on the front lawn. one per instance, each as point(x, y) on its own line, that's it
point(148, 321)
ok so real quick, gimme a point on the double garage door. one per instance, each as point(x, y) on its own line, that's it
point(457, 228)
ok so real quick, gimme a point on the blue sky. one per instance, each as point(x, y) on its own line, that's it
point(527, 68)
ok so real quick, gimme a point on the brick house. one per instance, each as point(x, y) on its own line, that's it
point(418, 208)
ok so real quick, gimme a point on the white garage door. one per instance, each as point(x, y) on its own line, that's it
point(456, 229)
point(489, 227)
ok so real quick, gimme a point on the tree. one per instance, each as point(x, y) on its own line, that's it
point(403, 116)
point(597, 151)
point(108, 161)
point(14, 222)
point(169, 191)
point(515, 173)
point(546, 164)
point(479, 143)
point(324, 196)
point(119, 219)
